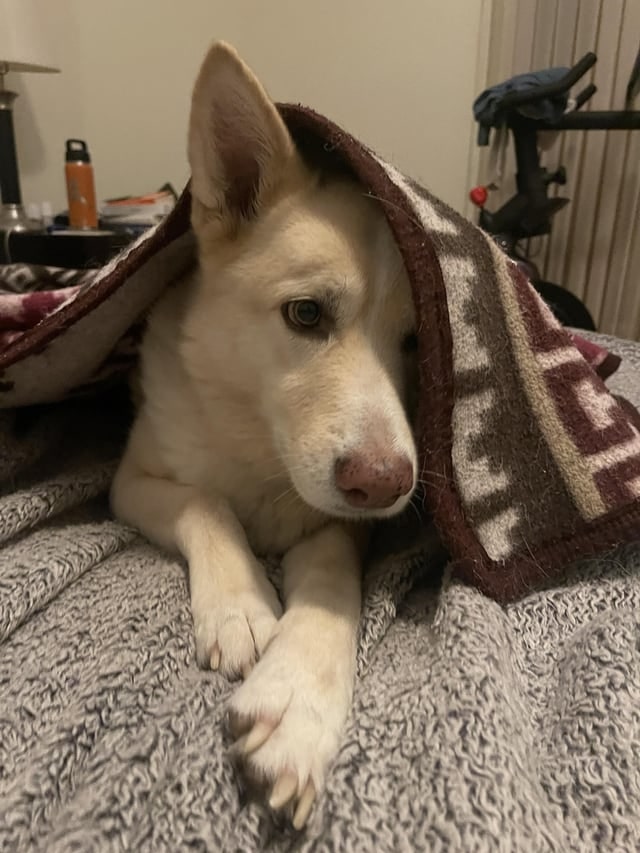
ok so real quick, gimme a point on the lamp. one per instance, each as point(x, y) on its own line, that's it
point(23, 47)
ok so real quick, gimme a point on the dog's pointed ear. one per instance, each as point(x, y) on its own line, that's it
point(239, 147)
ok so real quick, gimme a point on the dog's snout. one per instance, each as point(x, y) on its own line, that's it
point(372, 481)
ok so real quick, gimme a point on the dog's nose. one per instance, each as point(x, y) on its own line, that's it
point(373, 482)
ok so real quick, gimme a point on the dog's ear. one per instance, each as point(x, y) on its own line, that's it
point(239, 147)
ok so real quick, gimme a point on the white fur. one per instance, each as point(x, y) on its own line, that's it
point(242, 420)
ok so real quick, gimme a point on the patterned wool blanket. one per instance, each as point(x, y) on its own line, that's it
point(475, 727)
point(527, 461)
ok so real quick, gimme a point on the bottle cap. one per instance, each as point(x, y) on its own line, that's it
point(77, 151)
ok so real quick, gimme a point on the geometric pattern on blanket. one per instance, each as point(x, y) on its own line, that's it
point(527, 461)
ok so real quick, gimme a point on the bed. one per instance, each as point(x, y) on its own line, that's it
point(475, 727)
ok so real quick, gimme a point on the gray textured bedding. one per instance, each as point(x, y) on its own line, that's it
point(475, 727)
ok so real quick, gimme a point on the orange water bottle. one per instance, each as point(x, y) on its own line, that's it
point(81, 191)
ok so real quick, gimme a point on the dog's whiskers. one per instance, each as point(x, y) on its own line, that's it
point(433, 474)
point(415, 509)
point(286, 492)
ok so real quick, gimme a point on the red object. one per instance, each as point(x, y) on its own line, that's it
point(478, 196)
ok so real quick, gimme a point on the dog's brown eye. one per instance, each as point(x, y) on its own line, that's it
point(302, 313)
point(410, 343)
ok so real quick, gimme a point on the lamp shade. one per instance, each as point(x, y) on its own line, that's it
point(24, 45)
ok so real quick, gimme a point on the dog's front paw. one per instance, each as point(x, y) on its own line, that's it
point(233, 629)
point(288, 718)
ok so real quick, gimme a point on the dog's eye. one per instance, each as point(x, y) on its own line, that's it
point(410, 343)
point(302, 313)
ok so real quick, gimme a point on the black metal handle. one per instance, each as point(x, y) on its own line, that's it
point(633, 86)
point(587, 93)
point(595, 120)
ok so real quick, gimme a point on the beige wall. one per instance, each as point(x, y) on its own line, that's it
point(401, 75)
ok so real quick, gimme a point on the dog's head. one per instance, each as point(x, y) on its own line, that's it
point(304, 311)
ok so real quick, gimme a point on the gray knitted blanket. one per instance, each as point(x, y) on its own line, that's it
point(475, 727)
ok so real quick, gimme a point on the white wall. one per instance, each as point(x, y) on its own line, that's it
point(400, 75)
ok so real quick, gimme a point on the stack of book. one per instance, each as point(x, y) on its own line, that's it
point(136, 212)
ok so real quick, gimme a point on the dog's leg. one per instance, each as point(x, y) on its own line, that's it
point(235, 608)
point(290, 713)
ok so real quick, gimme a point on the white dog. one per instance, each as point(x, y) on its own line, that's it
point(272, 421)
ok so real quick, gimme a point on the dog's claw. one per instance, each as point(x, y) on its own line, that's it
point(283, 791)
point(214, 660)
point(305, 804)
point(257, 736)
